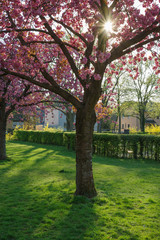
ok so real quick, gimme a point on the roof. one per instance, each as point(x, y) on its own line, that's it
point(150, 121)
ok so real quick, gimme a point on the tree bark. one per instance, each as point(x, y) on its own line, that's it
point(84, 135)
point(70, 120)
point(119, 111)
point(99, 126)
point(2, 131)
point(119, 118)
point(142, 118)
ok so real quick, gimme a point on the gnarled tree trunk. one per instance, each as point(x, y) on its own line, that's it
point(2, 131)
point(85, 121)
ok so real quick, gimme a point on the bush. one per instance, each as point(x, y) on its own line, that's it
point(127, 146)
point(44, 137)
point(49, 129)
point(155, 130)
point(9, 136)
point(109, 145)
point(133, 130)
point(69, 139)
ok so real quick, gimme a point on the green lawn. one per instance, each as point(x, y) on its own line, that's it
point(37, 201)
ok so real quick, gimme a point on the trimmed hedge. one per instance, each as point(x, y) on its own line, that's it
point(104, 144)
point(127, 146)
point(55, 138)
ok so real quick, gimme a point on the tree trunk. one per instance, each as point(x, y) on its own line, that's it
point(142, 119)
point(70, 121)
point(84, 135)
point(2, 131)
point(99, 126)
point(119, 118)
point(119, 112)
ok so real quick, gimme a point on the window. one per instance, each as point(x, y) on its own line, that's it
point(128, 125)
point(122, 126)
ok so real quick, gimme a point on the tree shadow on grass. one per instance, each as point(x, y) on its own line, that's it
point(44, 206)
point(37, 201)
point(74, 223)
point(39, 211)
point(126, 163)
point(20, 157)
point(60, 150)
point(32, 192)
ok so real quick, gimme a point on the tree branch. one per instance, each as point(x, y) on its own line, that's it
point(24, 30)
point(70, 29)
point(51, 42)
point(141, 44)
point(113, 4)
point(64, 50)
point(131, 44)
point(53, 88)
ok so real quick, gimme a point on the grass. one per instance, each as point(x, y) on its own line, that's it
point(37, 201)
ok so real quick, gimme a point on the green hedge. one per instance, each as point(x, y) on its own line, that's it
point(127, 146)
point(44, 137)
point(104, 144)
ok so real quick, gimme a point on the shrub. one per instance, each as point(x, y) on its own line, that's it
point(49, 129)
point(133, 130)
point(155, 130)
point(69, 139)
point(109, 145)
point(9, 136)
point(44, 137)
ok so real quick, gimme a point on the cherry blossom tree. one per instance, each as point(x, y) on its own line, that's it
point(20, 96)
point(64, 46)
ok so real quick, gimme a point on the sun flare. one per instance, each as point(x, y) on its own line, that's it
point(108, 26)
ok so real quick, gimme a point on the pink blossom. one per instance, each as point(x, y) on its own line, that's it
point(84, 73)
point(102, 57)
point(84, 60)
point(92, 58)
point(113, 66)
point(97, 77)
point(89, 37)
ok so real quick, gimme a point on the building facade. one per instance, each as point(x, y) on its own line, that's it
point(55, 119)
point(128, 122)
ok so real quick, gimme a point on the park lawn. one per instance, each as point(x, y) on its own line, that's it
point(37, 201)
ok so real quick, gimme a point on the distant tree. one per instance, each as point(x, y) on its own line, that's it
point(116, 88)
point(136, 85)
point(153, 110)
point(143, 84)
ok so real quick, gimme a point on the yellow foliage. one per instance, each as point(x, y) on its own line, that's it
point(153, 129)
point(46, 128)
point(49, 129)
point(9, 136)
point(133, 130)
point(74, 109)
